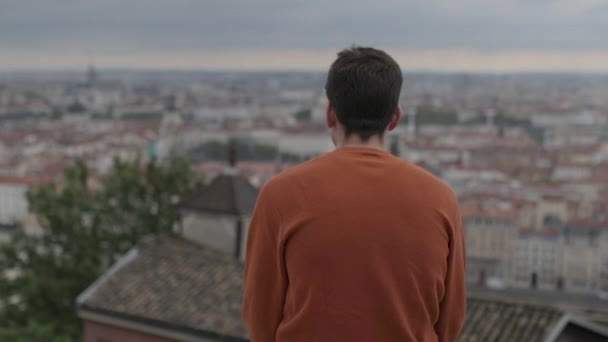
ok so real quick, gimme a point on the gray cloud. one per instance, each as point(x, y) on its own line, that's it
point(194, 25)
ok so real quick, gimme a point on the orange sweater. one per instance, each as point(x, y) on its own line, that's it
point(356, 245)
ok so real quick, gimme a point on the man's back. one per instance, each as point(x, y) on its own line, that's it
point(356, 245)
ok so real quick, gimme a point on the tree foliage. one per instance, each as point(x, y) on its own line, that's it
point(83, 231)
point(304, 115)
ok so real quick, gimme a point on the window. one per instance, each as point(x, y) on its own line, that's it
point(593, 239)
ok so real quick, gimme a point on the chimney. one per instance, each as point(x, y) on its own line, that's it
point(534, 281)
point(230, 169)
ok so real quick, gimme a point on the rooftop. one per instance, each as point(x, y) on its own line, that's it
point(491, 320)
point(176, 284)
point(172, 284)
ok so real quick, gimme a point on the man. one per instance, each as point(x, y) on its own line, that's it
point(356, 245)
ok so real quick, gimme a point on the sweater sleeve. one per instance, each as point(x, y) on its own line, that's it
point(265, 273)
point(453, 305)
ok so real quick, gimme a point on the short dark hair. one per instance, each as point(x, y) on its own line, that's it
point(363, 86)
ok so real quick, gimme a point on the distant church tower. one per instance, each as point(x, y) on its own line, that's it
point(92, 76)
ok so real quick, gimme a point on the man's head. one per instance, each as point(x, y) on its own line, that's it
point(363, 87)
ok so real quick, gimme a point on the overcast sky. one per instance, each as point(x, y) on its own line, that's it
point(493, 35)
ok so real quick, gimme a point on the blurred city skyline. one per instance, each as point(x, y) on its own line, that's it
point(432, 35)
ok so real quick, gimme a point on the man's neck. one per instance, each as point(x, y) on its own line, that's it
point(375, 142)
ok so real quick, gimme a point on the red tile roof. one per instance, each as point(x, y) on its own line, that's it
point(16, 180)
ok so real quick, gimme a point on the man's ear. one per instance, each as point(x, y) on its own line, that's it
point(331, 116)
point(396, 118)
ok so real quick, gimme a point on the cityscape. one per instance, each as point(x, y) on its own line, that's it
point(527, 155)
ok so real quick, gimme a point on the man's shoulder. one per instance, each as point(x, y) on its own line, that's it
point(432, 184)
point(420, 173)
point(288, 178)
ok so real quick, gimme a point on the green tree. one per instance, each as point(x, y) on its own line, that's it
point(83, 232)
point(304, 115)
point(34, 331)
